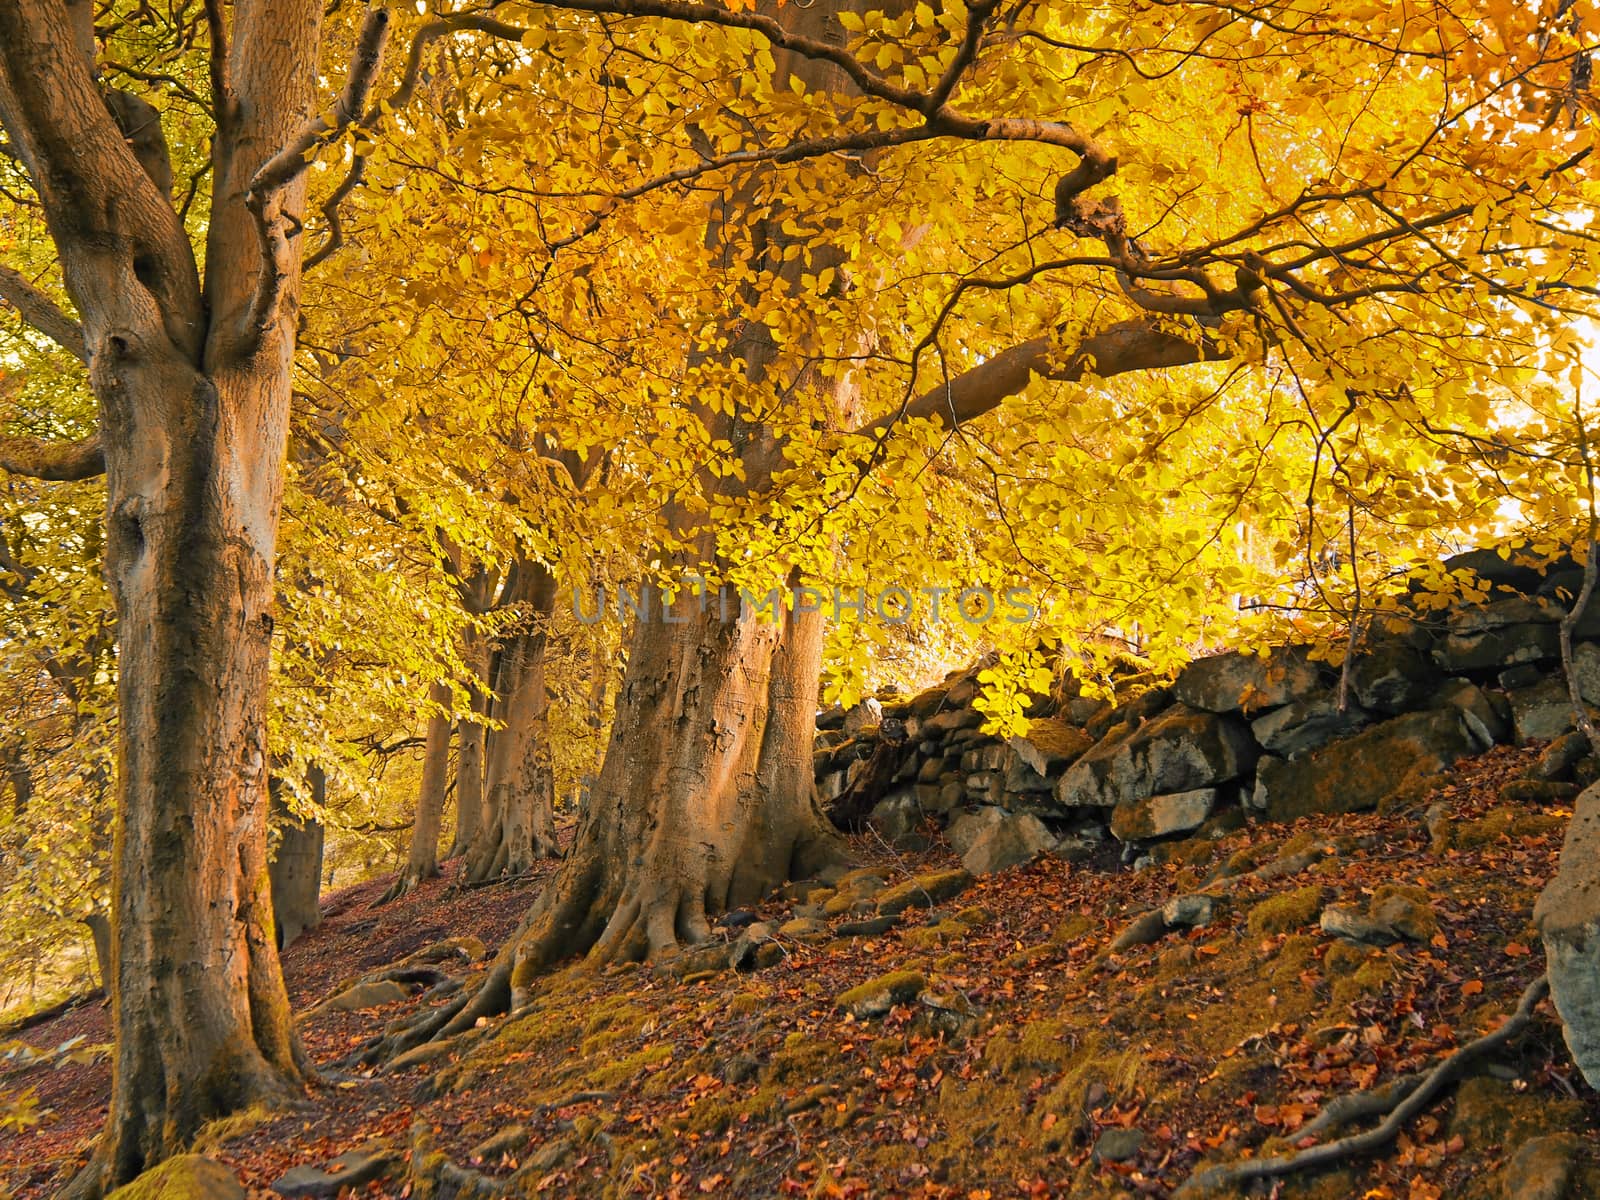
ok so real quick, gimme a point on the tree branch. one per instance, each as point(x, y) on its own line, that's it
point(39, 458)
point(264, 196)
point(42, 313)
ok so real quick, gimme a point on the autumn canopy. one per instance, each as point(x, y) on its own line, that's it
point(375, 383)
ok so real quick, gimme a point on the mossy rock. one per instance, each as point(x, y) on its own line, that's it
point(1488, 1113)
point(877, 996)
point(183, 1177)
point(932, 937)
point(1370, 978)
point(924, 891)
point(1285, 912)
point(1487, 830)
point(804, 1057)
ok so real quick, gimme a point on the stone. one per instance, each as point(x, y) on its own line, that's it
point(1048, 748)
point(924, 891)
point(1021, 779)
point(1493, 649)
point(1016, 839)
point(183, 1177)
point(868, 927)
point(877, 996)
point(1557, 760)
point(930, 768)
point(1073, 848)
point(1542, 712)
point(1484, 721)
point(1539, 791)
point(1359, 772)
point(1118, 1145)
point(945, 723)
point(1392, 677)
point(1306, 724)
point(1188, 912)
point(1541, 1168)
point(969, 826)
point(896, 815)
point(1181, 750)
point(362, 996)
point(1568, 917)
point(1586, 669)
point(1161, 816)
point(350, 1170)
point(1346, 922)
point(868, 712)
point(951, 795)
point(991, 756)
point(1237, 682)
point(1513, 678)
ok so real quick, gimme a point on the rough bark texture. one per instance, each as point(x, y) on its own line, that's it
point(193, 393)
point(423, 860)
point(469, 753)
point(518, 788)
point(701, 803)
point(296, 871)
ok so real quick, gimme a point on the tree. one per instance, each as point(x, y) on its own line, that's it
point(1333, 237)
point(192, 379)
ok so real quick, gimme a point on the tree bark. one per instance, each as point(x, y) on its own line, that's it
point(423, 860)
point(193, 388)
point(469, 755)
point(296, 871)
point(519, 788)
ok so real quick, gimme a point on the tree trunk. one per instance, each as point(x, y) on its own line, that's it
point(296, 871)
point(21, 778)
point(705, 800)
point(469, 752)
point(100, 932)
point(519, 789)
point(423, 861)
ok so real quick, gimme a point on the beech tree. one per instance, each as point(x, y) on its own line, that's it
point(770, 261)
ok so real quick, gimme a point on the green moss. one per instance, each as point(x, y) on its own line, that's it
point(974, 916)
point(883, 992)
point(184, 1177)
point(1539, 824)
point(615, 1074)
point(1071, 931)
point(1344, 958)
point(746, 1003)
point(804, 1058)
point(931, 937)
point(1291, 910)
point(925, 891)
point(1368, 979)
point(1486, 830)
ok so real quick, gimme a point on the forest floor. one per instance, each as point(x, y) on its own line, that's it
point(1031, 1040)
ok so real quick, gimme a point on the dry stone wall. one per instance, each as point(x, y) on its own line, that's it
point(1232, 737)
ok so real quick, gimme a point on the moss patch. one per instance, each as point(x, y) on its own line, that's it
point(1291, 910)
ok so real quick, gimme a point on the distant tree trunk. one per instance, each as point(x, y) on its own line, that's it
point(423, 860)
point(100, 933)
point(21, 778)
point(706, 799)
point(296, 871)
point(469, 752)
point(519, 790)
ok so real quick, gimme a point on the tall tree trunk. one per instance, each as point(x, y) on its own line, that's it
point(19, 775)
point(519, 789)
point(706, 799)
point(100, 933)
point(423, 860)
point(469, 751)
point(296, 871)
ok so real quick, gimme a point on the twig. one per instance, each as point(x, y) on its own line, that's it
point(1408, 1103)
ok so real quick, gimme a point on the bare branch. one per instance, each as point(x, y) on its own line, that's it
point(39, 458)
point(264, 196)
point(42, 313)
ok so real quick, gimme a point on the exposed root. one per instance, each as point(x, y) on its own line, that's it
point(1400, 1102)
point(405, 883)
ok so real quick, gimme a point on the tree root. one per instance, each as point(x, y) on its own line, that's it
point(404, 884)
point(1401, 1103)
